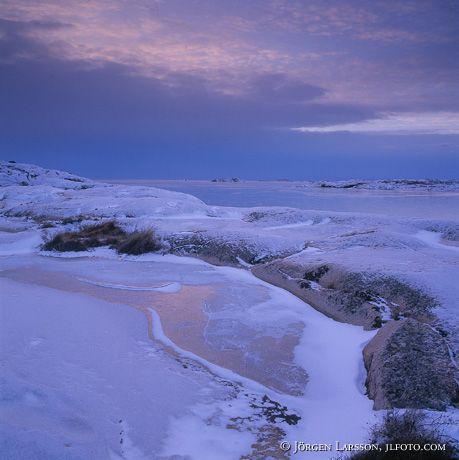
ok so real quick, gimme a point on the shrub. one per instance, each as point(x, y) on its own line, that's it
point(139, 242)
point(409, 427)
point(104, 234)
point(109, 228)
point(63, 242)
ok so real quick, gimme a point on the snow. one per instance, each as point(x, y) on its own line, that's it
point(12, 173)
point(56, 195)
point(394, 184)
point(330, 352)
point(19, 242)
point(384, 308)
point(433, 239)
point(108, 356)
point(436, 199)
point(75, 331)
point(287, 226)
point(195, 439)
point(76, 368)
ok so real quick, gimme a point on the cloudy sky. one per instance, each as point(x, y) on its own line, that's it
point(251, 88)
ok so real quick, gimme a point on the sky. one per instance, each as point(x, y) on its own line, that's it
point(257, 89)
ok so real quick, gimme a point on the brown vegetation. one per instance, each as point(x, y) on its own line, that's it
point(408, 428)
point(108, 233)
point(139, 243)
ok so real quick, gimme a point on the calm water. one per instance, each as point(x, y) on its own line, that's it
point(401, 203)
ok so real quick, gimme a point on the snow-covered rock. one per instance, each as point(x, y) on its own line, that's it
point(409, 365)
point(382, 266)
point(393, 184)
point(22, 174)
point(31, 191)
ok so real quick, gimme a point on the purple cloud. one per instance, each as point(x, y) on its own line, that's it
point(203, 76)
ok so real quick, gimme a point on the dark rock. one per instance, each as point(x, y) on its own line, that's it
point(316, 274)
point(212, 249)
point(409, 366)
point(339, 298)
point(221, 250)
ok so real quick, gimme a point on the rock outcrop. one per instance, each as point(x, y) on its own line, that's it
point(408, 361)
point(325, 287)
point(408, 365)
point(223, 249)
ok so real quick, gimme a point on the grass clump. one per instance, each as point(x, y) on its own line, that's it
point(91, 236)
point(104, 234)
point(139, 242)
point(408, 428)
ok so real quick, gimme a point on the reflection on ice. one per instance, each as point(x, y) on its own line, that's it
point(168, 287)
point(209, 311)
point(232, 323)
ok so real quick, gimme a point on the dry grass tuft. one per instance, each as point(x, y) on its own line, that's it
point(139, 242)
point(105, 234)
point(408, 428)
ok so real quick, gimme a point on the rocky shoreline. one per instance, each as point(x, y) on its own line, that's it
point(356, 269)
point(408, 362)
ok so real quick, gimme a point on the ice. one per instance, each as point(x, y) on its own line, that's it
point(158, 333)
point(436, 199)
point(92, 327)
point(64, 396)
point(168, 287)
point(108, 356)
